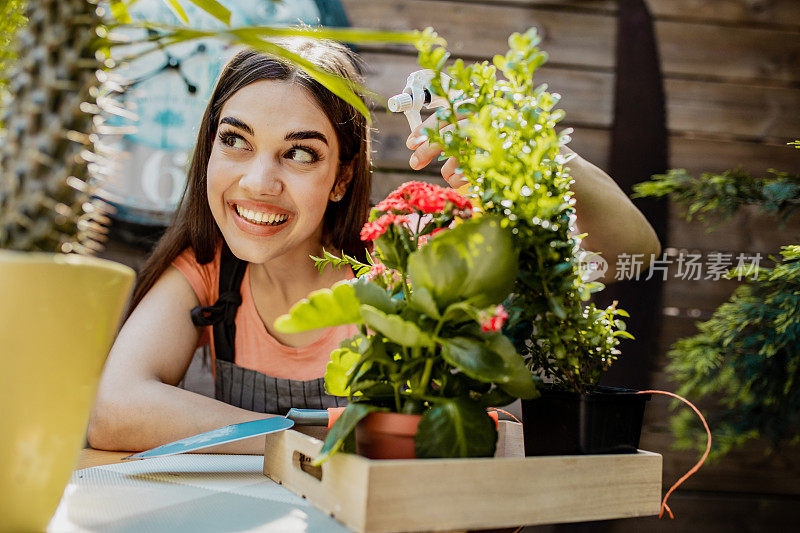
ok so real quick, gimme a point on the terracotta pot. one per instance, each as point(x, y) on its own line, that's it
point(58, 317)
point(387, 436)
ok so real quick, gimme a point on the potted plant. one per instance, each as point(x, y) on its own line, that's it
point(509, 152)
point(430, 357)
point(60, 307)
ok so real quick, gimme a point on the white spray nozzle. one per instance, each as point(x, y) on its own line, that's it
point(417, 94)
point(400, 103)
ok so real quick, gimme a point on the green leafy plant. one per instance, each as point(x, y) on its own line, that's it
point(429, 314)
point(745, 358)
point(508, 150)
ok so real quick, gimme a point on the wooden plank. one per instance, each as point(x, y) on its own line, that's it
point(770, 12)
point(569, 37)
point(748, 231)
point(438, 494)
point(777, 473)
point(90, 457)
point(730, 109)
point(740, 52)
point(694, 153)
point(702, 512)
point(586, 96)
point(736, 109)
point(687, 49)
point(391, 132)
point(766, 12)
point(705, 295)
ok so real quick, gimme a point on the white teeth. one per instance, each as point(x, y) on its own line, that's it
point(260, 218)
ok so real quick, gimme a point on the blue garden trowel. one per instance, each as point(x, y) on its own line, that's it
point(245, 430)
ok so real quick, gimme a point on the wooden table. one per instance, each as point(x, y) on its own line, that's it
point(91, 457)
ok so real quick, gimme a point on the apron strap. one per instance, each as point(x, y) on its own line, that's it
point(222, 315)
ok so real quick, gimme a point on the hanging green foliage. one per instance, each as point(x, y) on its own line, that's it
point(746, 358)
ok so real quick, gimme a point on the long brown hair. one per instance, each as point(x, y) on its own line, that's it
point(194, 225)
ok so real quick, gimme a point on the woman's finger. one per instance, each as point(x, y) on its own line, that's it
point(449, 167)
point(452, 174)
point(426, 151)
point(418, 136)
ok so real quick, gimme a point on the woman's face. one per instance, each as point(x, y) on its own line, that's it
point(272, 168)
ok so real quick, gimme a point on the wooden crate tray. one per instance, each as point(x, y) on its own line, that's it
point(444, 494)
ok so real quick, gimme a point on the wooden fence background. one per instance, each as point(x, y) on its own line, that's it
point(732, 81)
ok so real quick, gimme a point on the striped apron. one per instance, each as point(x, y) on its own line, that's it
point(244, 387)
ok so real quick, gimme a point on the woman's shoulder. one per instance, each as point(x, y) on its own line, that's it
point(204, 278)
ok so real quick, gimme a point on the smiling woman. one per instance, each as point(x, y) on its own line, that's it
point(281, 169)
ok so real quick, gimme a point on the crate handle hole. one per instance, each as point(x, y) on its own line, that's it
point(303, 462)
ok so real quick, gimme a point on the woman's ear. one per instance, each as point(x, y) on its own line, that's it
point(343, 179)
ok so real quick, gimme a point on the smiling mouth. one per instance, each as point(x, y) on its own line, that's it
point(261, 219)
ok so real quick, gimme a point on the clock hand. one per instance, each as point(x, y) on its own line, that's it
point(172, 63)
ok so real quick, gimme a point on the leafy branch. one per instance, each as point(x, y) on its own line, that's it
point(509, 151)
point(715, 198)
point(328, 259)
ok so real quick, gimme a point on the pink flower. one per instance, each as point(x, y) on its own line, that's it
point(495, 321)
point(425, 198)
point(423, 239)
point(392, 203)
point(373, 230)
point(375, 271)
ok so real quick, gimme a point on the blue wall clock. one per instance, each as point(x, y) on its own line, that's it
point(168, 90)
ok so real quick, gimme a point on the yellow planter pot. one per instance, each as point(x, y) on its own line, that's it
point(58, 317)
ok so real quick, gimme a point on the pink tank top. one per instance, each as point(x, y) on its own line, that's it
point(256, 348)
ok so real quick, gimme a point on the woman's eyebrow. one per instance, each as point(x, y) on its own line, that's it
point(309, 134)
point(235, 122)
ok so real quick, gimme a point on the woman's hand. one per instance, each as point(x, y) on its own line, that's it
point(424, 152)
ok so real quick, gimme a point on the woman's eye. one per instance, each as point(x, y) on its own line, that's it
point(303, 155)
point(232, 140)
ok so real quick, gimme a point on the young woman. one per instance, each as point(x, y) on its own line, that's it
point(281, 169)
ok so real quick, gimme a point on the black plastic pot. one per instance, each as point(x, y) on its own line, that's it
point(607, 420)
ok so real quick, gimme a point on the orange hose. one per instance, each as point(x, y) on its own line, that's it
point(696, 467)
point(506, 413)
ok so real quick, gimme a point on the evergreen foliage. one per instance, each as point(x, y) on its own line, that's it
point(509, 153)
point(746, 358)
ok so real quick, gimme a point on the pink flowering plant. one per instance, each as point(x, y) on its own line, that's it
point(428, 303)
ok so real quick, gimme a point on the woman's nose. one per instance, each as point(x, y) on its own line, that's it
point(262, 178)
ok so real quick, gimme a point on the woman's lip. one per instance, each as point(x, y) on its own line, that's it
point(258, 207)
point(256, 229)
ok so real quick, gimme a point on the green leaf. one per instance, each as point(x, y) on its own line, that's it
point(474, 261)
point(395, 328)
point(176, 8)
point(521, 383)
point(322, 309)
point(342, 360)
point(371, 294)
point(338, 85)
point(461, 311)
point(422, 301)
point(456, 428)
point(120, 12)
point(493, 360)
point(342, 428)
point(213, 8)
